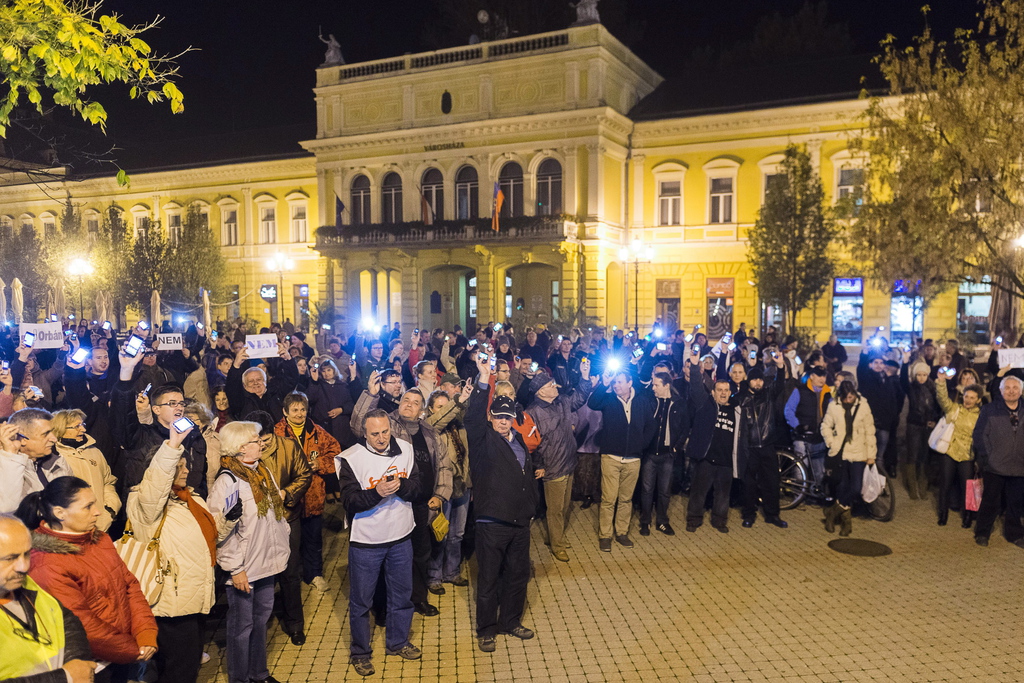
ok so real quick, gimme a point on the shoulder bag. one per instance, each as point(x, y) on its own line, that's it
point(144, 560)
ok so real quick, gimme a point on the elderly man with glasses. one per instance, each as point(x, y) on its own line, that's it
point(250, 390)
point(140, 441)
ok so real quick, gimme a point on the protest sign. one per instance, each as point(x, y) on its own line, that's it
point(1012, 357)
point(48, 335)
point(261, 345)
point(169, 342)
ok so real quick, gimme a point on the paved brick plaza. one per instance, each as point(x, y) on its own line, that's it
point(761, 604)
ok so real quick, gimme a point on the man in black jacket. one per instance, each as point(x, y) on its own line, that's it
point(628, 426)
point(140, 441)
point(758, 414)
point(249, 390)
point(505, 494)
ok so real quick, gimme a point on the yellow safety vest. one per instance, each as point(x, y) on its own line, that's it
point(24, 656)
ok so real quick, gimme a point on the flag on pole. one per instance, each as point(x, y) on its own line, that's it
point(426, 210)
point(496, 204)
point(339, 206)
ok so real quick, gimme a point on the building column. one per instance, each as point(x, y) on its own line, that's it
point(637, 219)
point(595, 180)
point(570, 188)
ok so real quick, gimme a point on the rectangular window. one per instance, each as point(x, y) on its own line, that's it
point(92, 225)
point(670, 201)
point(268, 225)
point(774, 182)
point(26, 224)
point(230, 236)
point(299, 229)
point(234, 307)
point(848, 309)
point(49, 229)
point(301, 312)
point(142, 224)
point(6, 227)
point(467, 197)
point(974, 302)
point(174, 228)
point(721, 200)
point(851, 184)
point(361, 206)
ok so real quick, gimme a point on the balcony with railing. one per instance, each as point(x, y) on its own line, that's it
point(522, 230)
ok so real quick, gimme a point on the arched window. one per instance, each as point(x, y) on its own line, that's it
point(433, 195)
point(467, 194)
point(511, 182)
point(549, 188)
point(391, 198)
point(360, 210)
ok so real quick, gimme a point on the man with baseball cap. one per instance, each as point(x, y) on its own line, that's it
point(505, 498)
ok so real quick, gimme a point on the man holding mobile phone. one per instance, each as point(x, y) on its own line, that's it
point(28, 460)
point(379, 480)
point(140, 441)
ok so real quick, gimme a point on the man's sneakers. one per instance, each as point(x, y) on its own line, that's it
point(561, 556)
point(426, 609)
point(645, 529)
point(606, 544)
point(319, 583)
point(624, 541)
point(519, 631)
point(363, 666)
point(407, 651)
point(776, 521)
point(436, 589)
point(487, 643)
point(748, 522)
point(666, 529)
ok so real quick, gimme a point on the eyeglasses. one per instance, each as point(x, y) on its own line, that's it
point(172, 404)
point(250, 443)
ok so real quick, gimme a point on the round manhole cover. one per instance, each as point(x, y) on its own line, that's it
point(859, 547)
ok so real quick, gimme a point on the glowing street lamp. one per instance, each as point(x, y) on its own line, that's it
point(636, 253)
point(79, 268)
point(280, 263)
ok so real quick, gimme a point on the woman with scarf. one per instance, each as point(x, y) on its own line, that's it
point(77, 564)
point(922, 416)
point(162, 504)
point(221, 409)
point(87, 462)
point(254, 550)
point(849, 433)
point(319, 449)
point(332, 397)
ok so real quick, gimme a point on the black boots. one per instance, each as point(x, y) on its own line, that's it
point(846, 522)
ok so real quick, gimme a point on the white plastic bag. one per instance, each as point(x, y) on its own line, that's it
point(873, 484)
point(942, 434)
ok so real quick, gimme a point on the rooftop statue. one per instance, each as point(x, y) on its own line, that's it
point(586, 12)
point(333, 56)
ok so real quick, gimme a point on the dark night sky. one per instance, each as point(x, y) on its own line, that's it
point(256, 58)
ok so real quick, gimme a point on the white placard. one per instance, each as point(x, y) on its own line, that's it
point(261, 345)
point(48, 335)
point(1012, 357)
point(170, 342)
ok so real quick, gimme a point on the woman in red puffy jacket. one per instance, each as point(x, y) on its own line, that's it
point(78, 564)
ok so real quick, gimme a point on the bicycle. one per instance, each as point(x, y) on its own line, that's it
point(797, 485)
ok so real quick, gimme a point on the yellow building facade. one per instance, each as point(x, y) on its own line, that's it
point(616, 217)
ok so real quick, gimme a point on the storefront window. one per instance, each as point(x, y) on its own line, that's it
point(972, 310)
point(720, 302)
point(906, 312)
point(848, 309)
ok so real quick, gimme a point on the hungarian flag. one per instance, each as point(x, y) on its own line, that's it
point(499, 200)
point(426, 211)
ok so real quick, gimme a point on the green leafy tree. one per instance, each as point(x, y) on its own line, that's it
point(791, 244)
point(194, 262)
point(21, 257)
point(147, 265)
point(943, 200)
point(54, 50)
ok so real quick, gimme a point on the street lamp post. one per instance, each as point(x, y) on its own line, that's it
point(280, 263)
point(79, 267)
point(636, 253)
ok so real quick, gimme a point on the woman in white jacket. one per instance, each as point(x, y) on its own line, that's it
point(849, 431)
point(253, 552)
point(87, 462)
point(163, 504)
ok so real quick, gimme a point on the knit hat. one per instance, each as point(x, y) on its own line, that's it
point(920, 367)
point(541, 380)
point(756, 372)
point(503, 406)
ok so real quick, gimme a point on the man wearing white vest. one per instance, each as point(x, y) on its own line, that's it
point(379, 479)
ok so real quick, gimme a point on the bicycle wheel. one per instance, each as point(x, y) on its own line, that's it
point(884, 507)
point(794, 480)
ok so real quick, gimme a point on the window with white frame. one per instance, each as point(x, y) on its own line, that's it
point(670, 202)
point(174, 229)
point(49, 226)
point(92, 227)
point(549, 188)
point(359, 212)
point(268, 224)
point(467, 194)
point(510, 180)
point(850, 187)
point(300, 231)
point(229, 226)
point(721, 174)
point(432, 193)
point(142, 224)
point(391, 198)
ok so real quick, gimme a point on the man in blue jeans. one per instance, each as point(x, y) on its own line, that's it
point(379, 479)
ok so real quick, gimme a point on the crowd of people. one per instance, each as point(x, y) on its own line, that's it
point(139, 484)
